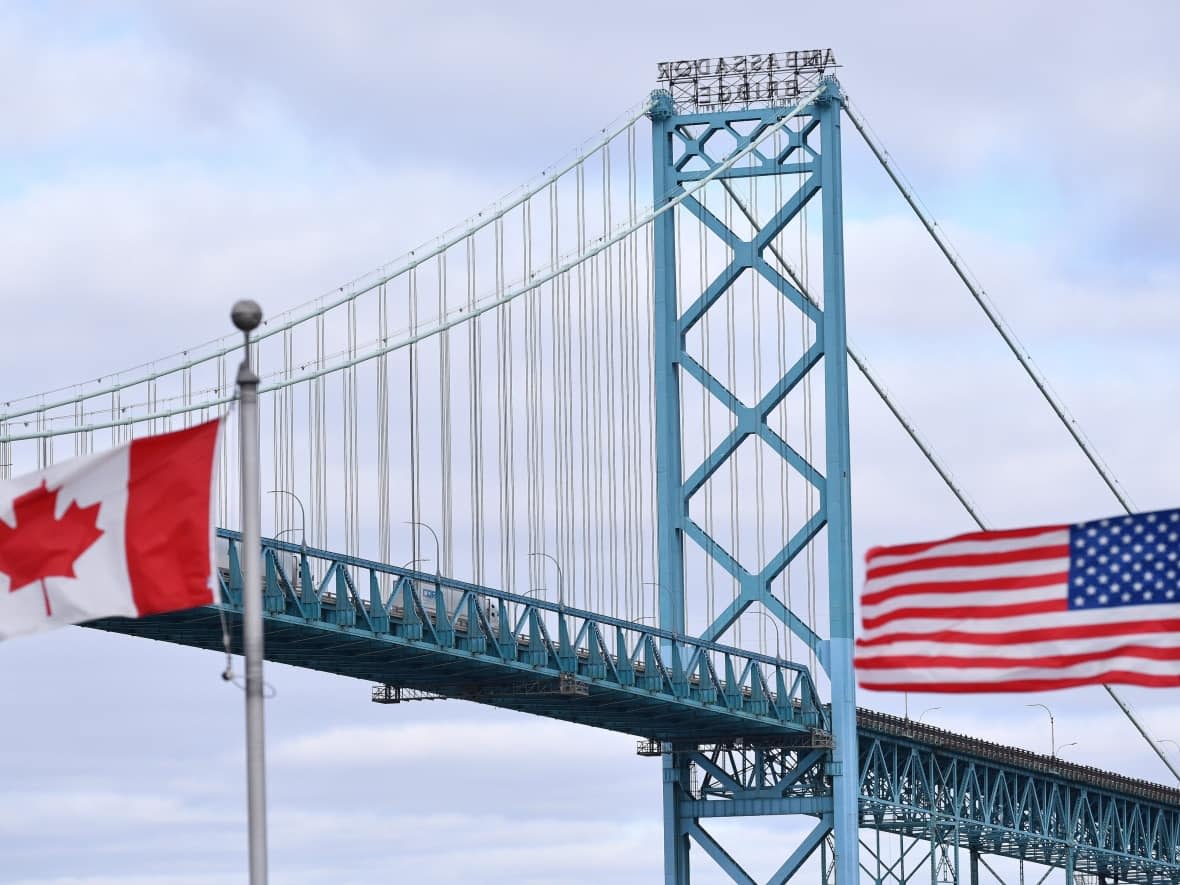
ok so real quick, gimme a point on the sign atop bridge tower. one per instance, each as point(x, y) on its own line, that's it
point(745, 81)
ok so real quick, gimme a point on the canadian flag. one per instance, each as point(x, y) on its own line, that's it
point(125, 532)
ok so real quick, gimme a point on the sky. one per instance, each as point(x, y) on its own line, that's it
point(162, 160)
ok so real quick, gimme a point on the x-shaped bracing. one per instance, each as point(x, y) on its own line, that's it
point(752, 420)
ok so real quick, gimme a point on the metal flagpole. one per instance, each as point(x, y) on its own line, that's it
point(246, 316)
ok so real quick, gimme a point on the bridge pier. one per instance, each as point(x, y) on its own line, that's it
point(676, 839)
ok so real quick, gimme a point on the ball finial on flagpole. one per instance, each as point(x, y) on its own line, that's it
point(247, 315)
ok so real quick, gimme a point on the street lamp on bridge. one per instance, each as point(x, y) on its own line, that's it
point(560, 576)
point(1052, 733)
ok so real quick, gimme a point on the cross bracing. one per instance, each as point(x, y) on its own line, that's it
point(751, 728)
point(953, 789)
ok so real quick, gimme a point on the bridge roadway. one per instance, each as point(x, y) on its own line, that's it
point(415, 634)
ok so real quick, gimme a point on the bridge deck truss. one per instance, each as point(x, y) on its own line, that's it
point(395, 626)
point(769, 738)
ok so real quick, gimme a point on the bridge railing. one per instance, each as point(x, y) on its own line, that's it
point(355, 594)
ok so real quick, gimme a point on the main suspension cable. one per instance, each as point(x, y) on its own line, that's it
point(1023, 357)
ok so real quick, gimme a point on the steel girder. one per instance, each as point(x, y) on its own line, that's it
point(989, 806)
point(947, 807)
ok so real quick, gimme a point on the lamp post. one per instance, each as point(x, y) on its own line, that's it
point(302, 530)
point(778, 644)
point(302, 515)
point(658, 586)
point(560, 577)
point(437, 553)
point(410, 562)
point(1063, 746)
point(927, 710)
point(1052, 733)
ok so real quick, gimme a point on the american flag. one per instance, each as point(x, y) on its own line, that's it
point(1025, 609)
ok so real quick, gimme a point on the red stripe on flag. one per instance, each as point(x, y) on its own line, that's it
point(922, 547)
point(1112, 677)
point(1041, 634)
point(1017, 582)
point(967, 560)
point(169, 493)
point(889, 662)
point(969, 611)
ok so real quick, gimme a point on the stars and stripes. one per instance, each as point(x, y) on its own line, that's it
point(1026, 609)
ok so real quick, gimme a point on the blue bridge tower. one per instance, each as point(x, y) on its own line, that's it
point(817, 775)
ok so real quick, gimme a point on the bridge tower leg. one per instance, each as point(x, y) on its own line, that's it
point(808, 157)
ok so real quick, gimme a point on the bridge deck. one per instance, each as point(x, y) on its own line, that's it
point(418, 631)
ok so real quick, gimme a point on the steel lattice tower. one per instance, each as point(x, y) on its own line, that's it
point(806, 779)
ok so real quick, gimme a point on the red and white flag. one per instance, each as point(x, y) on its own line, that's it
point(127, 532)
point(1026, 609)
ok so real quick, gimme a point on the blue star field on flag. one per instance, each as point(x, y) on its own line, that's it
point(1125, 560)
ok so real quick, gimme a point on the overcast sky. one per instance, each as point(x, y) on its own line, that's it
point(160, 160)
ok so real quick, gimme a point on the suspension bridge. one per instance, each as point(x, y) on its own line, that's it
point(610, 414)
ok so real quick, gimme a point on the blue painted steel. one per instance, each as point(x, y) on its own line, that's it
point(680, 157)
point(463, 640)
point(670, 504)
point(838, 494)
point(958, 792)
point(676, 791)
point(336, 613)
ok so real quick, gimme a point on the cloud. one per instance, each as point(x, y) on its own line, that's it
point(24, 812)
point(368, 745)
point(168, 159)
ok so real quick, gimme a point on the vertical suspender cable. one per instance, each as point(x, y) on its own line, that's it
point(703, 278)
point(810, 495)
point(289, 427)
point(732, 461)
point(222, 453)
point(584, 577)
point(648, 486)
point(352, 451)
point(415, 427)
point(534, 477)
point(444, 375)
point(475, 413)
point(598, 417)
point(612, 418)
point(559, 347)
point(760, 447)
point(318, 453)
point(383, 454)
point(504, 362)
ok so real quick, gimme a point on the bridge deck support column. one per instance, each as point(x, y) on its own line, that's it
point(676, 839)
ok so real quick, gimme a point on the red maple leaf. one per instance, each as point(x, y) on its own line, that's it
point(41, 546)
